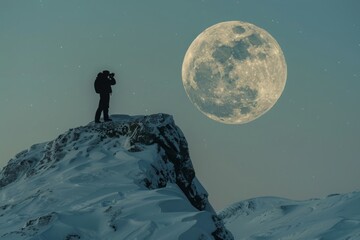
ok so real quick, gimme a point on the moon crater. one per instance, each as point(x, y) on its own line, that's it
point(234, 72)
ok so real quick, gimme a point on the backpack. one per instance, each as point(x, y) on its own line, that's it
point(97, 85)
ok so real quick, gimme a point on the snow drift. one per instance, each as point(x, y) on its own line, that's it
point(127, 179)
point(336, 217)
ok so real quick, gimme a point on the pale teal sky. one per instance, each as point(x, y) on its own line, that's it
point(306, 146)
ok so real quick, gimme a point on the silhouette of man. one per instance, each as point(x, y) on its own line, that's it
point(102, 85)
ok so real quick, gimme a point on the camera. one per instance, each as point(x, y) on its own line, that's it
point(111, 75)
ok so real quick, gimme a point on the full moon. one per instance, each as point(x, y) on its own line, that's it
point(234, 72)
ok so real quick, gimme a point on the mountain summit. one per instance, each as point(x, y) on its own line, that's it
point(127, 179)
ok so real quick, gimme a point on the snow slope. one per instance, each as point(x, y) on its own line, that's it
point(336, 217)
point(127, 179)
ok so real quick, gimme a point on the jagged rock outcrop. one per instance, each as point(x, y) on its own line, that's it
point(127, 179)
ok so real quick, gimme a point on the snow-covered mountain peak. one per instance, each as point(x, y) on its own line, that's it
point(131, 178)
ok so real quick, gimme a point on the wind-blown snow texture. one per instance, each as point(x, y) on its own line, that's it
point(127, 179)
point(336, 217)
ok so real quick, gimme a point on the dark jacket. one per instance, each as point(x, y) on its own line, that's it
point(103, 84)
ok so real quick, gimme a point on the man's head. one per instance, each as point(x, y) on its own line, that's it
point(108, 74)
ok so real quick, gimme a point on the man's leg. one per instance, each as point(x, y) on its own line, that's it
point(98, 111)
point(106, 100)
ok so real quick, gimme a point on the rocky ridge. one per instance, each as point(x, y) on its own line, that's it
point(110, 171)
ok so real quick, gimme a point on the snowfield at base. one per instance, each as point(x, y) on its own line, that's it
point(336, 217)
point(127, 179)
